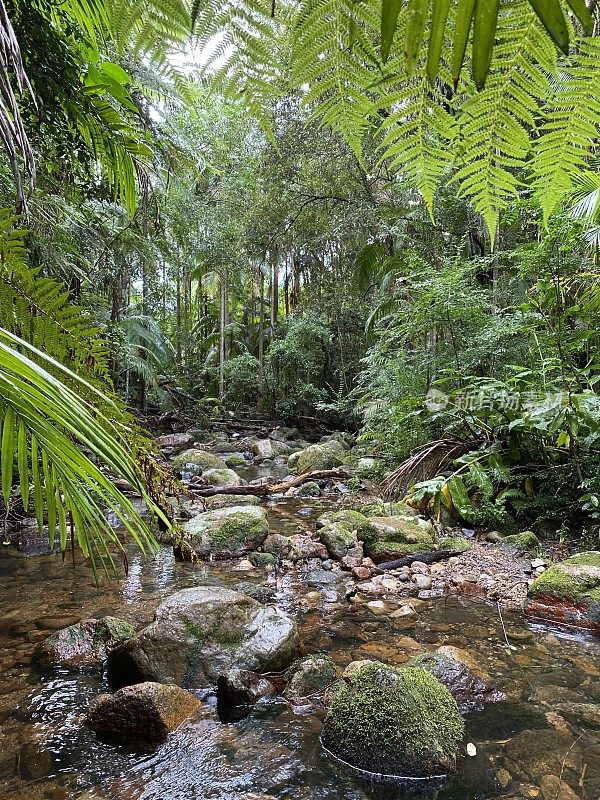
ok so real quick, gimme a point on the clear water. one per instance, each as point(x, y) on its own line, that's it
point(549, 725)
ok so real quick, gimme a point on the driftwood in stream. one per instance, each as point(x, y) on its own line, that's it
point(429, 557)
point(270, 488)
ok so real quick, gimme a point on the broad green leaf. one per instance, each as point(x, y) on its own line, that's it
point(484, 31)
point(439, 17)
point(23, 462)
point(389, 20)
point(8, 452)
point(552, 18)
point(416, 17)
point(464, 18)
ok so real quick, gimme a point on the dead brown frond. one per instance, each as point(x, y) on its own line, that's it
point(427, 462)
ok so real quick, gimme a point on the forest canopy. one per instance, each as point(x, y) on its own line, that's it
point(376, 215)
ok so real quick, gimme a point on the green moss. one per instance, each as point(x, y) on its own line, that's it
point(568, 580)
point(394, 720)
point(116, 629)
point(261, 559)
point(527, 541)
point(309, 489)
point(386, 549)
point(227, 530)
point(235, 461)
point(455, 543)
point(338, 537)
point(222, 477)
point(197, 458)
point(589, 559)
point(354, 484)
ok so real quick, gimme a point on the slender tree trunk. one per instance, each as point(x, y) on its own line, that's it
point(223, 318)
point(261, 333)
point(275, 292)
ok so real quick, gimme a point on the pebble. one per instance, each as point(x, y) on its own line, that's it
point(422, 581)
point(419, 568)
point(403, 611)
point(243, 566)
point(503, 777)
point(471, 750)
point(538, 562)
point(377, 607)
point(327, 564)
point(361, 573)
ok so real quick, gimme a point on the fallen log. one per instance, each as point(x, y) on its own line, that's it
point(430, 557)
point(271, 488)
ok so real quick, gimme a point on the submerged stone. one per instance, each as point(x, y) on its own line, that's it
point(146, 712)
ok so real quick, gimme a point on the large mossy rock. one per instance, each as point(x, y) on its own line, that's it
point(227, 532)
point(201, 634)
point(145, 712)
point(388, 538)
point(84, 644)
point(197, 461)
point(393, 721)
point(526, 542)
point(317, 457)
point(569, 592)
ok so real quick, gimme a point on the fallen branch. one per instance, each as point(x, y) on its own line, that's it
point(262, 489)
point(429, 557)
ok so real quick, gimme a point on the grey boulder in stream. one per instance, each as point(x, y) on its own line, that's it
point(227, 532)
point(200, 635)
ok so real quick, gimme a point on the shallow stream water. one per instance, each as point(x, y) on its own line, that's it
point(548, 726)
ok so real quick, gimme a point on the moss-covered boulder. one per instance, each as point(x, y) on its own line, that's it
point(338, 538)
point(569, 592)
point(351, 519)
point(393, 721)
point(309, 489)
point(221, 477)
point(144, 713)
point(235, 460)
point(197, 461)
point(318, 456)
point(388, 538)
point(457, 544)
point(310, 678)
point(261, 560)
point(86, 643)
point(227, 532)
point(201, 634)
point(277, 545)
point(526, 542)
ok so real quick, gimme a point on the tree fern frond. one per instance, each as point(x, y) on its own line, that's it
point(496, 123)
point(569, 130)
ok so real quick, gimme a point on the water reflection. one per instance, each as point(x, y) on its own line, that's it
point(546, 731)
